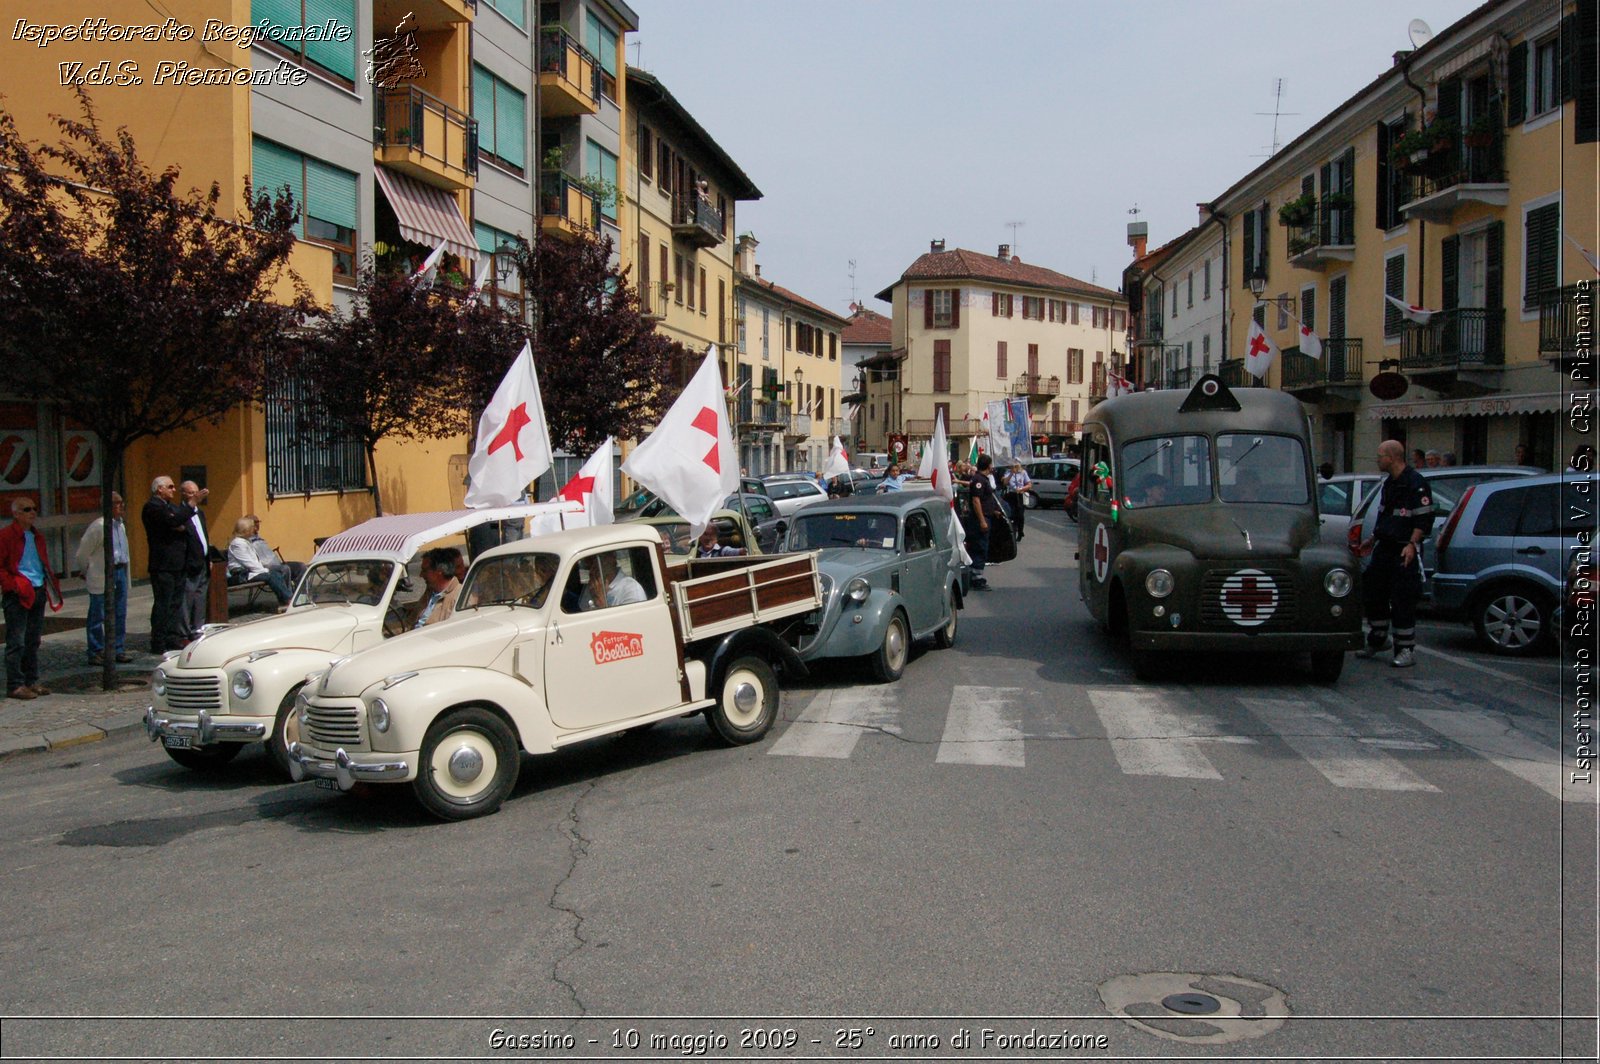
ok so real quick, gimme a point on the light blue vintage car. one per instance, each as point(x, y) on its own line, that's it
point(890, 575)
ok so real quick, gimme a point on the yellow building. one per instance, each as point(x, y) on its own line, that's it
point(397, 125)
point(1452, 182)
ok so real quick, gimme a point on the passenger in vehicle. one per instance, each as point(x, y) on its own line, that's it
point(1152, 491)
point(608, 585)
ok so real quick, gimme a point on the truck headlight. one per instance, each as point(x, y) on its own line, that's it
point(378, 714)
point(158, 682)
point(857, 589)
point(1337, 583)
point(1159, 583)
point(243, 684)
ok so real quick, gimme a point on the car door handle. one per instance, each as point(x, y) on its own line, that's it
point(1531, 550)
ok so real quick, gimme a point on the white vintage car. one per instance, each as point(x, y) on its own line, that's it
point(554, 640)
point(237, 683)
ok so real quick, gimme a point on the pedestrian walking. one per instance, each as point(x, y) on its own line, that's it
point(983, 508)
point(1393, 581)
point(1017, 484)
point(196, 560)
point(90, 560)
point(166, 532)
point(26, 582)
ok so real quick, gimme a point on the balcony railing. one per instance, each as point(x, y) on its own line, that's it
point(1463, 338)
point(1036, 384)
point(799, 425)
point(1178, 377)
point(697, 219)
point(560, 198)
point(762, 413)
point(923, 426)
point(1340, 365)
point(1558, 321)
point(1054, 426)
point(1097, 383)
point(427, 129)
point(1481, 162)
point(1334, 226)
point(1231, 371)
point(1155, 328)
point(574, 70)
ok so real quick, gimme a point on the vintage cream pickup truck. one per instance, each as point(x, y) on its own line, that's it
point(237, 683)
point(565, 637)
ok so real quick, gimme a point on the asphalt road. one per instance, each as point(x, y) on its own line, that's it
point(991, 842)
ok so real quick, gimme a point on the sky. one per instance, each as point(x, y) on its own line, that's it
point(874, 126)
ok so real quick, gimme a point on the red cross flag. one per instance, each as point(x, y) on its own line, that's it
point(1411, 311)
point(689, 460)
point(838, 460)
point(1117, 384)
point(591, 485)
point(1259, 351)
point(513, 439)
point(1310, 342)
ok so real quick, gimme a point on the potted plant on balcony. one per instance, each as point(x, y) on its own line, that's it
point(1298, 211)
point(1340, 201)
point(1480, 132)
point(1300, 244)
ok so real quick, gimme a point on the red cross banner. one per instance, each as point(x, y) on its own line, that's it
point(513, 439)
point(1310, 342)
point(1259, 351)
point(1410, 311)
point(689, 460)
point(591, 486)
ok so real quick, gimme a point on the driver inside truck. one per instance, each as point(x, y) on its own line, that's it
point(1152, 491)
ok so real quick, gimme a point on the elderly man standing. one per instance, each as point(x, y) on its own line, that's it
point(90, 559)
point(25, 583)
point(196, 560)
point(166, 530)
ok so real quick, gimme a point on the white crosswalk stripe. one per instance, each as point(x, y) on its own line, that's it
point(1491, 737)
point(1332, 746)
point(832, 724)
point(1147, 736)
point(984, 727)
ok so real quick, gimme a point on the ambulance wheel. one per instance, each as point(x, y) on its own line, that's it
point(469, 765)
point(747, 702)
point(206, 758)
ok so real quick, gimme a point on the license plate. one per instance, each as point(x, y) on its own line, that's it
point(177, 742)
point(326, 784)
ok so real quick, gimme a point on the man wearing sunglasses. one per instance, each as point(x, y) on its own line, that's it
point(24, 573)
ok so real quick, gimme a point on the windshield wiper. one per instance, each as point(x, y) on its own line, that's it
point(1253, 445)
point(1164, 445)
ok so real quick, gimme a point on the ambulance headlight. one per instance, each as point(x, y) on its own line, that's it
point(1159, 584)
point(1337, 583)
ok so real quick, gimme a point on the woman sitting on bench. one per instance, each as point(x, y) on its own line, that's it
point(245, 567)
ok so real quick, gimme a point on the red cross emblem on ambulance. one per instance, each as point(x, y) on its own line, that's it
point(1249, 597)
point(1102, 553)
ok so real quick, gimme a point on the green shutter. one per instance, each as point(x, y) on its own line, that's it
point(607, 53)
point(1517, 84)
point(1449, 109)
point(1494, 285)
point(1382, 186)
point(285, 13)
point(273, 166)
point(337, 56)
point(1308, 309)
point(1450, 272)
point(515, 10)
point(330, 193)
point(1247, 260)
point(488, 239)
point(483, 107)
point(1394, 284)
point(510, 124)
point(1543, 234)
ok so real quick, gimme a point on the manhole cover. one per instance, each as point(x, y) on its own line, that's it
point(1195, 1007)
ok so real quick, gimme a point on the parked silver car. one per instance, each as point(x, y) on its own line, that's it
point(1050, 478)
point(1504, 554)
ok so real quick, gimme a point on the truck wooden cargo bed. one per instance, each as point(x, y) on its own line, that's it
point(713, 596)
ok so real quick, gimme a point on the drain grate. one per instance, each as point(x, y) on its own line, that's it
point(1195, 1007)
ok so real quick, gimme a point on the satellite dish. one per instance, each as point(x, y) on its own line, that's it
point(1419, 32)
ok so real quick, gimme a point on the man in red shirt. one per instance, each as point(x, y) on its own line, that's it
point(26, 581)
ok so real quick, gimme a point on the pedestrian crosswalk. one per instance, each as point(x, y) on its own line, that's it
point(1409, 745)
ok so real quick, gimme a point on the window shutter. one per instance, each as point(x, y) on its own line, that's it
point(1308, 309)
point(1382, 186)
point(330, 193)
point(1074, 313)
point(955, 308)
point(1336, 298)
point(1247, 260)
point(1263, 237)
point(1450, 271)
point(941, 365)
point(1543, 234)
point(1517, 84)
point(1324, 220)
point(1449, 109)
point(1033, 360)
point(1260, 315)
point(337, 56)
point(927, 308)
point(1494, 262)
point(510, 124)
point(994, 304)
point(1347, 180)
point(1000, 360)
point(273, 167)
point(1394, 280)
point(1586, 72)
point(646, 153)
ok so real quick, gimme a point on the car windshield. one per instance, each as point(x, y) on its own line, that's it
point(509, 579)
point(814, 531)
point(676, 536)
point(354, 582)
point(788, 489)
point(1165, 471)
point(1262, 468)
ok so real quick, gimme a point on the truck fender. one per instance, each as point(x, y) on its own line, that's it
point(417, 702)
point(760, 641)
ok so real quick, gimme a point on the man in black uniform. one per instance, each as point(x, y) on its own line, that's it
point(1393, 582)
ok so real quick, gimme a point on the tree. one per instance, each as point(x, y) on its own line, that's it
point(602, 365)
point(138, 308)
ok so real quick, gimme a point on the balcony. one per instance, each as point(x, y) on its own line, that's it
point(1559, 311)
point(653, 301)
point(1178, 377)
point(763, 415)
point(1328, 237)
point(1097, 384)
point(923, 426)
point(564, 208)
point(426, 16)
point(799, 427)
point(697, 220)
point(569, 76)
point(1465, 168)
point(1231, 371)
point(1054, 426)
point(1036, 386)
point(1337, 373)
point(1459, 351)
point(423, 137)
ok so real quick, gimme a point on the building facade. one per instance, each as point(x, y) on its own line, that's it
point(867, 335)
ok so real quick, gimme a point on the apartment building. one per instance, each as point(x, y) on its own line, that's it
point(1451, 182)
point(1175, 302)
point(867, 335)
point(790, 400)
point(970, 328)
point(681, 193)
point(397, 126)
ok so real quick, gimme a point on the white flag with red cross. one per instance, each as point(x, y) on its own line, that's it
point(689, 460)
point(513, 439)
point(838, 460)
point(1412, 312)
point(1117, 384)
point(429, 269)
point(1259, 351)
point(591, 486)
point(1310, 342)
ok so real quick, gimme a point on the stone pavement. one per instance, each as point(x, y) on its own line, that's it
point(78, 711)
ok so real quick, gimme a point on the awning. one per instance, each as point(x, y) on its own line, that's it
point(427, 214)
point(1485, 405)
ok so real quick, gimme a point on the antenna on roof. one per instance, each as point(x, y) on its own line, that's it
point(1420, 32)
point(1014, 226)
point(1276, 113)
point(852, 281)
point(638, 52)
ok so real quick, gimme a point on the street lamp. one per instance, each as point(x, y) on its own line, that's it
point(1258, 284)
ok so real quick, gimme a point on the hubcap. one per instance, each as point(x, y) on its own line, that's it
point(895, 644)
point(466, 765)
point(745, 697)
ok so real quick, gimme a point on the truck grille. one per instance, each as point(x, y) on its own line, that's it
point(330, 726)
point(1256, 600)
point(191, 693)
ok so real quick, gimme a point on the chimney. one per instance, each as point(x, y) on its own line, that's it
point(936, 246)
point(1138, 237)
point(744, 255)
point(1005, 252)
point(758, 269)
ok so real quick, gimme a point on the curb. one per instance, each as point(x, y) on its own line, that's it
point(71, 735)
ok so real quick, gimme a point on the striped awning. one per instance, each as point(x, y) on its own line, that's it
point(1485, 405)
point(428, 215)
point(399, 536)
